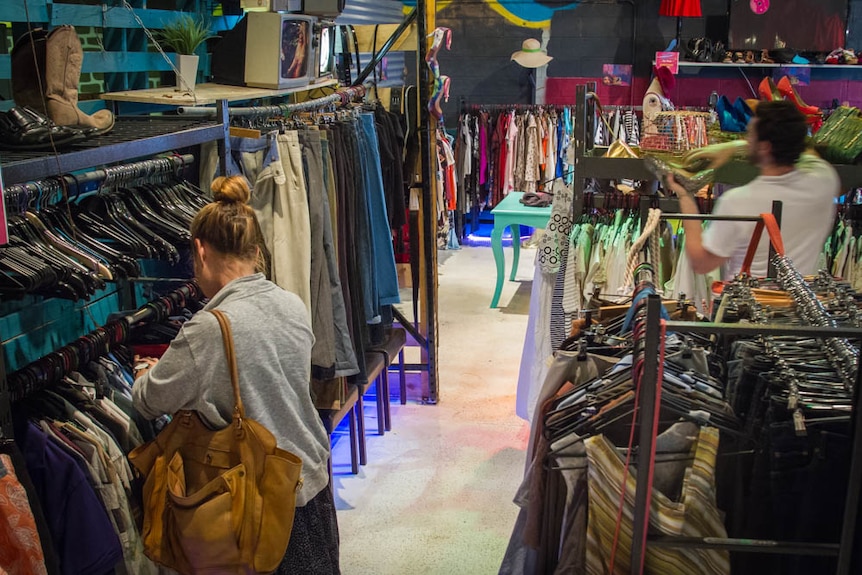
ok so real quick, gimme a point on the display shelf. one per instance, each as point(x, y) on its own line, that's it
point(132, 137)
point(735, 173)
point(687, 64)
point(207, 94)
point(589, 162)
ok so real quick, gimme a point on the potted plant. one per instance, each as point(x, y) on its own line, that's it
point(184, 35)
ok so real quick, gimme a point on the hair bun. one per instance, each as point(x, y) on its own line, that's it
point(231, 190)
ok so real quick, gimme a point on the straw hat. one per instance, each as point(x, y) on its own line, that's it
point(531, 54)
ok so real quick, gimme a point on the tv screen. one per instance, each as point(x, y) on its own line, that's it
point(811, 25)
point(326, 51)
point(295, 45)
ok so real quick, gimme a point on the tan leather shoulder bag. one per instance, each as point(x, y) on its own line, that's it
point(217, 501)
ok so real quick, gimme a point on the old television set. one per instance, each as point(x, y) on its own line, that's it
point(279, 50)
point(324, 46)
point(276, 51)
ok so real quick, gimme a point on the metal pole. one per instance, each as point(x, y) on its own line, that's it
point(223, 114)
point(854, 484)
point(647, 410)
point(580, 142)
point(776, 211)
point(408, 20)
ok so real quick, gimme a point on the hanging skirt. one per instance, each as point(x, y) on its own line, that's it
point(685, 8)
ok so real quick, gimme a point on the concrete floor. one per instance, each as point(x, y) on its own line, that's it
point(436, 495)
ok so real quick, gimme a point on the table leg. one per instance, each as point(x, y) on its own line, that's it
point(499, 259)
point(516, 248)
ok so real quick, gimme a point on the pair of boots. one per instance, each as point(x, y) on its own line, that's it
point(46, 69)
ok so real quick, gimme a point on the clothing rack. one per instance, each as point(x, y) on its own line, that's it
point(650, 383)
point(18, 197)
point(341, 97)
point(843, 356)
point(52, 368)
point(465, 107)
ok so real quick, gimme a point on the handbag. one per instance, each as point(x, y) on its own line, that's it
point(217, 501)
point(839, 140)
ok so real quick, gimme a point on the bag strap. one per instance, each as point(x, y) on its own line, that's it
point(768, 221)
point(230, 354)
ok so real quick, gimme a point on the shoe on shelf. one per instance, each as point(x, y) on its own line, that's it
point(785, 87)
point(742, 111)
point(749, 57)
point(765, 58)
point(767, 90)
point(728, 58)
point(813, 114)
point(692, 182)
point(66, 134)
point(728, 118)
point(25, 129)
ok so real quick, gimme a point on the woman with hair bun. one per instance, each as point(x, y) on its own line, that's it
point(273, 339)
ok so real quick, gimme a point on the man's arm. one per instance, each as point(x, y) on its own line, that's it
point(701, 259)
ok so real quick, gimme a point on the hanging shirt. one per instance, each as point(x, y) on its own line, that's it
point(531, 162)
point(511, 151)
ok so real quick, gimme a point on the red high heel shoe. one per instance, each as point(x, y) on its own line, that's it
point(787, 89)
point(768, 90)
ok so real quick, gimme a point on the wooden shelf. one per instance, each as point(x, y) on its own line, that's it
point(686, 64)
point(735, 173)
point(207, 94)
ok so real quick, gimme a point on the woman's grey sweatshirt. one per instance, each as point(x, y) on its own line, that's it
point(273, 339)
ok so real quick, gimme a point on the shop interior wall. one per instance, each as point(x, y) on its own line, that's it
point(583, 37)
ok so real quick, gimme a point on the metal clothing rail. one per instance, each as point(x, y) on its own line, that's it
point(52, 368)
point(340, 97)
point(843, 356)
point(17, 197)
point(649, 384)
point(496, 107)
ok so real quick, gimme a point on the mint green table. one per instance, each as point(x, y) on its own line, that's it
point(512, 213)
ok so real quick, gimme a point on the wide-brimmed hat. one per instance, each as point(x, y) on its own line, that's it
point(531, 54)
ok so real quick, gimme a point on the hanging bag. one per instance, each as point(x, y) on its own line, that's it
point(767, 221)
point(217, 501)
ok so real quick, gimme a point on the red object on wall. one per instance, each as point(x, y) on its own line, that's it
point(680, 8)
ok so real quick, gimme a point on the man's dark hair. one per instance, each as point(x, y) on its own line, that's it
point(781, 124)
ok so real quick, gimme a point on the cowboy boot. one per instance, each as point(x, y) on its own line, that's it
point(64, 58)
point(28, 70)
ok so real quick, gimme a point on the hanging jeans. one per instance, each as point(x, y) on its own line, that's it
point(341, 139)
point(332, 354)
point(385, 276)
point(273, 167)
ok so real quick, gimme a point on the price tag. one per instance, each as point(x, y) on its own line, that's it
point(668, 60)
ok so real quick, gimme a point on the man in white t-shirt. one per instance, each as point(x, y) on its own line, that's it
point(805, 184)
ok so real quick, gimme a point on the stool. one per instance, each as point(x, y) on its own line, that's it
point(332, 417)
point(394, 345)
point(375, 366)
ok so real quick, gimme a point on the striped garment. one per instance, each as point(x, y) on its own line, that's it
point(694, 515)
